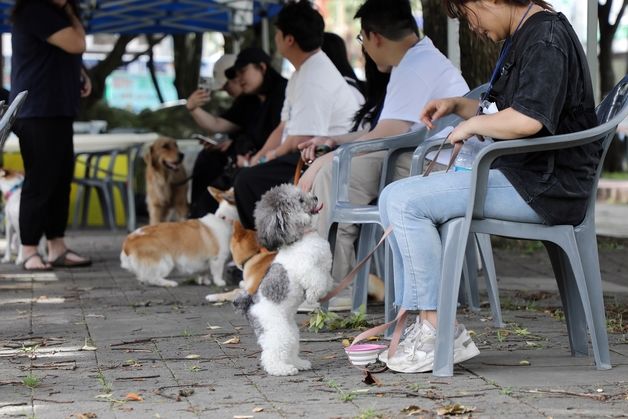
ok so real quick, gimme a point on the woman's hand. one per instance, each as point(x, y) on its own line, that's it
point(436, 109)
point(86, 86)
point(243, 160)
point(198, 98)
point(462, 132)
point(307, 178)
point(308, 148)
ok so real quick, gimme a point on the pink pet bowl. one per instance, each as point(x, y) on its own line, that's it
point(363, 353)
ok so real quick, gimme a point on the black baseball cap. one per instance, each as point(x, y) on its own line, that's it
point(245, 57)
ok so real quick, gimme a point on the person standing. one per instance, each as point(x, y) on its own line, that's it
point(48, 40)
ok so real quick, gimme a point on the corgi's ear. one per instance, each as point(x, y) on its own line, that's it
point(229, 196)
point(217, 194)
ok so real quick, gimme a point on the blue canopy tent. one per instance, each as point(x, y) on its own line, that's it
point(164, 16)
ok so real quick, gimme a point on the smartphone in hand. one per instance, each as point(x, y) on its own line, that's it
point(206, 83)
point(217, 139)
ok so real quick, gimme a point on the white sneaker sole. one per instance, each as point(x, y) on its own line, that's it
point(463, 352)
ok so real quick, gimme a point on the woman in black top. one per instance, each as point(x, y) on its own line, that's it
point(48, 40)
point(540, 86)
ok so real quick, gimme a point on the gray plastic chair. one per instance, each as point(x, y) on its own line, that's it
point(572, 249)
point(8, 117)
point(343, 211)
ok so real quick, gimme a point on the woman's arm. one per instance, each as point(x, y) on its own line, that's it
point(436, 109)
point(72, 38)
point(505, 125)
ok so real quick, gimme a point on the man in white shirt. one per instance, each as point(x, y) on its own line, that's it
point(319, 102)
point(419, 74)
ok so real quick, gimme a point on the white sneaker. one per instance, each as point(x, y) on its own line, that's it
point(407, 339)
point(419, 357)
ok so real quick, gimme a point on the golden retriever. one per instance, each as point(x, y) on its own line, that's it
point(166, 181)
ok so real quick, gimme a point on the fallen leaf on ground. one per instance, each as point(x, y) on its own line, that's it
point(186, 392)
point(233, 341)
point(454, 409)
point(258, 409)
point(414, 410)
point(345, 343)
point(243, 417)
point(524, 362)
point(370, 380)
point(86, 415)
point(332, 356)
point(192, 356)
point(210, 327)
point(134, 397)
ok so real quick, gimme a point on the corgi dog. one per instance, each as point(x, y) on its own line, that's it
point(11, 186)
point(251, 258)
point(192, 246)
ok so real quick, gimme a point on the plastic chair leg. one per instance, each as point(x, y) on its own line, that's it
point(360, 284)
point(587, 245)
point(486, 253)
point(454, 245)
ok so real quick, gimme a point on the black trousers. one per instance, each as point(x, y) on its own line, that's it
point(48, 155)
point(208, 171)
point(251, 183)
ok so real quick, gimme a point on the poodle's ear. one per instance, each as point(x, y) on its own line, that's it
point(271, 230)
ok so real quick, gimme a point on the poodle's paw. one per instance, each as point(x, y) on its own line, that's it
point(281, 369)
point(203, 280)
point(312, 296)
point(302, 364)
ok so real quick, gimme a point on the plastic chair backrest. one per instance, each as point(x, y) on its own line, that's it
point(8, 118)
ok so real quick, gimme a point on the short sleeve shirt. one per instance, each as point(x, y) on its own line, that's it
point(423, 74)
point(50, 74)
point(318, 100)
point(543, 78)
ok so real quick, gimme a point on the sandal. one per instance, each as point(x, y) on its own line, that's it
point(63, 262)
point(46, 267)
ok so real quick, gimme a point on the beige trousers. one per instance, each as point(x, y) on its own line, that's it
point(363, 189)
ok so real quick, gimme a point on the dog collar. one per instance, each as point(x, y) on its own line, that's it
point(11, 191)
point(261, 250)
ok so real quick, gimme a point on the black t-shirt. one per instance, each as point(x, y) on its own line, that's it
point(51, 75)
point(543, 78)
point(257, 119)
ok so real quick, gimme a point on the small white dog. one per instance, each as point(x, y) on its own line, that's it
point(153, 252)
point(300, 271)
point(11, 186)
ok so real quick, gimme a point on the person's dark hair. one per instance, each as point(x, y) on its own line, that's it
point(455, 9)
point(334, 47)
point(393, 19)
point(303, 22)
point(375, 93)
point(19, 5)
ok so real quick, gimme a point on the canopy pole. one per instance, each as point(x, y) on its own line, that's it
point(265, 27)
point(591, 46)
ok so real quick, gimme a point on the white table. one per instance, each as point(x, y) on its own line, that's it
point(94, 142)
point(88, 143)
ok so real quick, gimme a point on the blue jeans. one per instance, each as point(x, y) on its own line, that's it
point(416, 207)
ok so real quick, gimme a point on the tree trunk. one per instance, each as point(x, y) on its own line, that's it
point(187, 62)
point(478, 57)
point(99, 73)
point(607, 33)
point(435, 23)
point(151, 67)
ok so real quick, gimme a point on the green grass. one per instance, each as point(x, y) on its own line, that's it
point(320, 320)
point(31, 381)
point(615, 175)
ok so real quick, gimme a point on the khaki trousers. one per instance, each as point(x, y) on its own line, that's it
point(363, 189)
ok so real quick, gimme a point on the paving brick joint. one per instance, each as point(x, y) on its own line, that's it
point(93, 342)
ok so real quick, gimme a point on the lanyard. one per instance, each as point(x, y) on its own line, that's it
point(502, 57)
